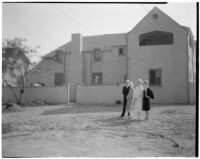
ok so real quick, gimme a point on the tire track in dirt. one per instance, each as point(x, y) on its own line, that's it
point(175, 144)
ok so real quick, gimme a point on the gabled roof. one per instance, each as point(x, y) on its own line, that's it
point(187, 29)
point(155, 9)
point(65, 47)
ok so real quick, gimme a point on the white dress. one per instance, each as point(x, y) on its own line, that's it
point(130, 100)
point(138, 99)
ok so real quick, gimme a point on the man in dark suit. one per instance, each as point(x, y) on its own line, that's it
point(125, 92)
point(147, 94)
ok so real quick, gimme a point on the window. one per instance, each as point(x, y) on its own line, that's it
point(59, 57)
point(48, 58)
point(59, 79)
point(155, 77)
point(97, 55)
point(156, 38)
point(121, 51)
point(97, 78)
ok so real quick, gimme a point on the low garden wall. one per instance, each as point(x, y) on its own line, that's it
point(51, 95)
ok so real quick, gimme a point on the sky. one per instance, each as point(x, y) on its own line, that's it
point(50, 25)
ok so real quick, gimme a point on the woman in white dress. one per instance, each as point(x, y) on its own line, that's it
point(138, 95)
point(130, 100)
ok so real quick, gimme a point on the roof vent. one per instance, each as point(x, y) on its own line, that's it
point(155, 16)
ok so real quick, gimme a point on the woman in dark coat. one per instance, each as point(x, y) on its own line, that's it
point(125, 92)
point(147, 94)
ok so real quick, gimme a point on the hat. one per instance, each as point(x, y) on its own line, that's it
point(139, 80)
point(146, 82)
point(131, 84)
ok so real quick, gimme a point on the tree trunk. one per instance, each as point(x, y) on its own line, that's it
point(21, 90)
point(13, 93)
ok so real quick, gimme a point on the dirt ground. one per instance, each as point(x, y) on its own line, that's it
point(97, 131)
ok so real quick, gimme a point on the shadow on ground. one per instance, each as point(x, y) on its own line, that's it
point(116, 121)
point(83, 109)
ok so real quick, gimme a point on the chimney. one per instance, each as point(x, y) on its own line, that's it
point(75, 66)
point(76, 43)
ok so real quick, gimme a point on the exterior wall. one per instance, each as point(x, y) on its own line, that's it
point(191, 63)
point(171, 59)
point(192, 93)
point(112, 66)
point(52, 95)
point(104, 94)
point(87, 68)
point(97, 66)
point(194, 61)
point(66, 70)
point(103, 41)
point(44, 73)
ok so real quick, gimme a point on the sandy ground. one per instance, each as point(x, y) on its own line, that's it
point(97, 131)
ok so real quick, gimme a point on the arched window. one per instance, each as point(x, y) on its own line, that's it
point(156, 38)
point(37, 84)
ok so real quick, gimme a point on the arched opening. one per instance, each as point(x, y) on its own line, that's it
point(156, 38)
point(37, 84)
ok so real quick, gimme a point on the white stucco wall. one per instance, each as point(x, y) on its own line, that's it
point(171, 59)
point(104, 94)
point(194, 61)
point(52, 95)
point(112, 66)
point(97, 66)
point(103, 41)
point(191, 63)
point(87, 68)
point(192, 93)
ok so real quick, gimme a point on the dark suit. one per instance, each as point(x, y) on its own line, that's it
point(146, 101)
point(125, 92)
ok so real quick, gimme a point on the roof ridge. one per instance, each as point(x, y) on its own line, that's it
point(104, 34)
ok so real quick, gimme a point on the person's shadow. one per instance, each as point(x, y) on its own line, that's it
point(115, 121)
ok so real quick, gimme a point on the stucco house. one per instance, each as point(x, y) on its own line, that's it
point(157, 49)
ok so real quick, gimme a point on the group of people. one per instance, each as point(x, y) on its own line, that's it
point(137, 99)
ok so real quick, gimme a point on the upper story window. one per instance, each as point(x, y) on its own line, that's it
point(97, 55)
point(155, 77)
point(59, 57)
point(156, 38)
point(48, 58)
point(122, 51)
